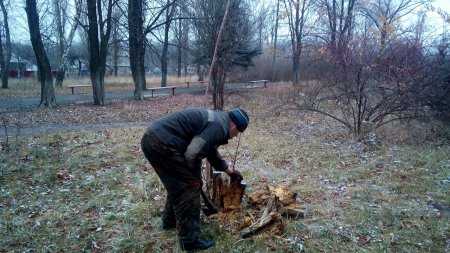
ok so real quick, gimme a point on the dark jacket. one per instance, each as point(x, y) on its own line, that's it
point(195, 133)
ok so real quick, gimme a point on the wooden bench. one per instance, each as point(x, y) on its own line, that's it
point(73, 86)
point(259, 81)
point(199, 82)
point(162, 88)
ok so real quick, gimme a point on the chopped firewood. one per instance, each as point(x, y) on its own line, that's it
point(283, 193)
point(273, 203)
point(285, 196)
point(246, 222)
point(260, 196)
point(261, 224)
point(270, 215)
point(277, 227)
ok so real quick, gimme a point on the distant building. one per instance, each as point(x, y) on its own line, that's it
point(20, 68)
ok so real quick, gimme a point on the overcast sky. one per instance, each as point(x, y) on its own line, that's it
point(19, 29)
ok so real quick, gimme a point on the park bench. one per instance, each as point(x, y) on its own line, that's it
point(188, 84)
point(160, 89)
point(73, 86)
point(256, 82)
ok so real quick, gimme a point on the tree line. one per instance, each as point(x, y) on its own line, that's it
point(377, 60)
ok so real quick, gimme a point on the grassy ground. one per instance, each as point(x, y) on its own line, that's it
point(30, 87)
point(94, 192)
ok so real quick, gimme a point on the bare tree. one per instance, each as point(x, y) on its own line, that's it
point(297, 15)
point(170, 12)
point(136, 46)
point(2, 65)
point(339, 15)
point(217, 74)
point(116, 41)
point(5, 54)
point(64, 43)
point(367, 89)
point(275, 39)
point(137, 38)
point(222, 51)
point(99, 32)
point(44, 69)
point(181, 34)
point(261, 19)
point(435, 88)
point(385, 14)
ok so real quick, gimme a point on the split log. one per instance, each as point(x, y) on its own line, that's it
point(270, 215)
point(283, 194)
point(260, 196)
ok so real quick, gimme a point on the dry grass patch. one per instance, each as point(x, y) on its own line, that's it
point(391, 199)
point(30, 87)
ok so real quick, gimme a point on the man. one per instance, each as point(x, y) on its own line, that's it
point(175, 146)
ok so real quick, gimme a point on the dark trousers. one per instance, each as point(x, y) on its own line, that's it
point(182, 184)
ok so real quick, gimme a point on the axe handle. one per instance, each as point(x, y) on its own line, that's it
point(209, 204)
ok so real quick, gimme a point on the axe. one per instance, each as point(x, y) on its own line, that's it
point(210, 207)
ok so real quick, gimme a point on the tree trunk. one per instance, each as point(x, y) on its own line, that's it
point(165, 46)
point(79, 67)
point(185, 43)
point(44, 69)
point(64, 44)
point(2, 65)
point(98, 86)
point(94, 57)
point(60, 75)
point(383, 35)
point(61, 46)
point(115, 50)
point(136, 45)
point(215, 73)
point(200, 73)
point(164, 58)
point(98, 50)
point(179, 50)
point(274, 56)
point(296, 67)
point(296, 25)
point(218, 76)
point(7, 51)
point(260, 33)
point(115, 59)
point(179, 65)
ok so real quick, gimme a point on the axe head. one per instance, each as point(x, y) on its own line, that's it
point(209, 211)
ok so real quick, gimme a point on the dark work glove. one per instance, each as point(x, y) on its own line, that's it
point(235, 176)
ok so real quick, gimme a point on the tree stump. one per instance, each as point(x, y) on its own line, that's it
point(227, 192)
